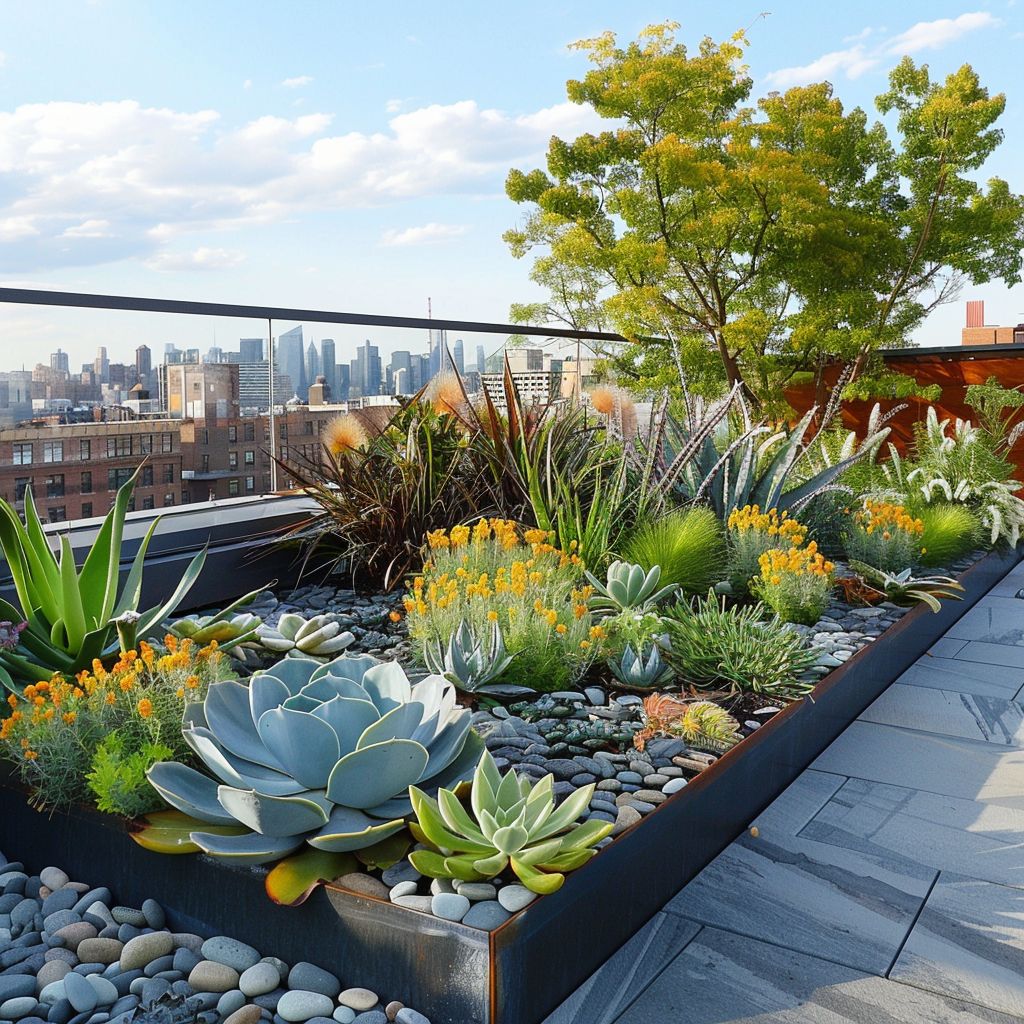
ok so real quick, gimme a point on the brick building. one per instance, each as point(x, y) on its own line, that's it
point(977, 332)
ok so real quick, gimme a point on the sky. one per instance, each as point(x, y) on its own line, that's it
point(346, 156)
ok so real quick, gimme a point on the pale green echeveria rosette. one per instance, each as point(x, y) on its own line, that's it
point(317, 754)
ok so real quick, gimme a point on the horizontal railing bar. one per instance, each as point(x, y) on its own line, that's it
point(86, 300)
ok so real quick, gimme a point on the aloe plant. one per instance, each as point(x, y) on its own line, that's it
point(642, 670)
point(513, 822)
point(316, 754)
point(318, 637)
point(628, 588)
point(905, 588)
point(470, 663)
point(71, 613)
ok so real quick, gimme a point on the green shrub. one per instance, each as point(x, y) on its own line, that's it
point(885, 536)
point(795, 584)
point(118, 777)
point(737, 648)
point(950, 532)
point(687, 544)
point(752, 534)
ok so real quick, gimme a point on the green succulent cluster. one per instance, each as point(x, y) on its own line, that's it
point(628, 588)
point(510, 821)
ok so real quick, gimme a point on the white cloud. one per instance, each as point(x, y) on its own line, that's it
point(89, 183)
point(932, 35)
point(852, 62)
point(203, 258)
point(247, 84)
point(425, 234)
point(298, 82)
point(858, 59)
point(393, 106)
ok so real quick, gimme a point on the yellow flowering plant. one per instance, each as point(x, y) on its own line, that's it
point(752, 532)
point(90, 737)
point(795, 584)
point(885, 536)
point(495, 572)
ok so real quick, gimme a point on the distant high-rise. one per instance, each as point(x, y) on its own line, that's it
point(366, 370)
point(291, 360)
point(329, 366)
point(400, 373)
point(481, 360)
point(460, 357)
point(59, 362)
point(343, 376)
point(250, 350)
point(312, 363)
point(214, 354)
point(143, 364)
point(101, 365)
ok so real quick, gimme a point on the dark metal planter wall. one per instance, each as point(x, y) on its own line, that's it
point(519, 973)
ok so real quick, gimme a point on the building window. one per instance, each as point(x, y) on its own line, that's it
point(168, 500)
point(86, 509)
point(23, 455)
point(266, 481)
point(20, 485)
point(250, 458)
point(250, 485)
point(232, 434)
point(147, 501)
point(249, 431)
point(169, 473)
point(233, 487)
point(57, 514)
point(205, 463)
point(307, 427)
point(145, 444)
point(119, 447)
point(232, 460)
point(147, 476)
point(117, 477)
point(53, 451)
point(166, 442)
point(206, 437)
point(85, 449)
point(55, 485)
point(284, 430)
point(86, 485)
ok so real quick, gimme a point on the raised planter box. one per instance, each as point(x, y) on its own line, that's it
point(520, 972)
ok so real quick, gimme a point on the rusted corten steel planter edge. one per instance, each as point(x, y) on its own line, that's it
point(520, 972)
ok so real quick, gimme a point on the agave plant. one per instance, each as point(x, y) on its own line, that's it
point(318, 637)
point(628, 588)
point(317, 754)
point(71, 613)
point(473, 664)
point(905, 588)
point(513, 821)
point(641, 670)
point(702, 724)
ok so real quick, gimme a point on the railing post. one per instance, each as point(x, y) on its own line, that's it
point(271, 420)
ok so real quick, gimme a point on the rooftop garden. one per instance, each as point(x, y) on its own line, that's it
point(521, 630)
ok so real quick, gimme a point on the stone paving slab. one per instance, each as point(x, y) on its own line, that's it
point(942, 832)
point(997, 620)
point(992, 654)
point(925, 761)
point(618, 981)
point(968, 944)
point(949, 713)
point(722, 978)
point(947, 673)
point(849, 906)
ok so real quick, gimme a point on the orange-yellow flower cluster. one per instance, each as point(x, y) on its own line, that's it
point(771, 522)
point(886, 518)
point(796, 561)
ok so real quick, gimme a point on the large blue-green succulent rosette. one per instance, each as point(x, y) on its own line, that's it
point(316, 753)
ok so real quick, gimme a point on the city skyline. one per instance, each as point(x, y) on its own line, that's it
point(322, 184)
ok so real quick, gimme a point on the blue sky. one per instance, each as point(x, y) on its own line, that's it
point(352, 156)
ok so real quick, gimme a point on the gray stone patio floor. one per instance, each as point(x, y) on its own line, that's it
point(884, 886)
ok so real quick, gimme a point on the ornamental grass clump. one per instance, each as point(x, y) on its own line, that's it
point(91, 737)
point(885, 536)
point(752, 533)
point(494, 573)
point(795, 584)
point(950, 532)
point(739, 649)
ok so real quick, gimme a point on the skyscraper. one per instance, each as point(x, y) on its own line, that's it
point(250, 350)
point(59, 362)
point(481, 360)
point(143, 364)
point(312, 364)
point(291, 360)
point(366, 370)
point(329, 366)
point(400, 372)
point(101, 365)
point(460, 357)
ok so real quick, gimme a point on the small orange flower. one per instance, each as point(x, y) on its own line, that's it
point(145, 707)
